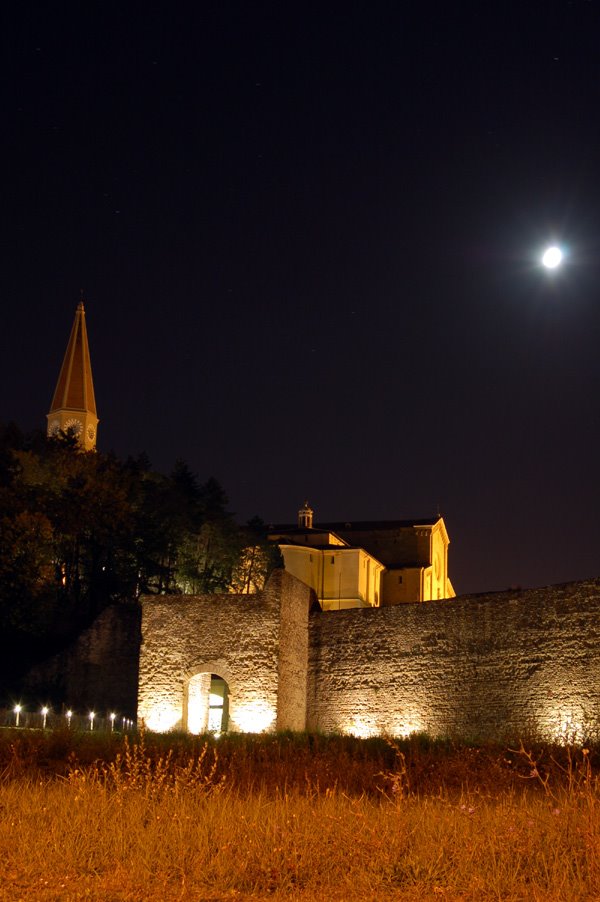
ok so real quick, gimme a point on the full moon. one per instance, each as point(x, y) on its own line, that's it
point(552, 257)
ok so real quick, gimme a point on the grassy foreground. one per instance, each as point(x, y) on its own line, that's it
point(294, 817)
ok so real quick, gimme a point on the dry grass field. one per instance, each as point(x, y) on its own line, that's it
point(294, 817)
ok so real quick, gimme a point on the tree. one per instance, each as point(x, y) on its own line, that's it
point(85, 498)
point(257, 560)
point(26, 569)
point(211, 547)
point(83, 530)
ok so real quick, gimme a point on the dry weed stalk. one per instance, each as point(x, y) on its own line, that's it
point(108, 833)
point(579, 780)
point(134, 770)
point(397, 780)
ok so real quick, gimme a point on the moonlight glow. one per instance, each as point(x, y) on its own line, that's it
point(552, 257)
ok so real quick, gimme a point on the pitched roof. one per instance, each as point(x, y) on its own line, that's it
point(75, 388)
point(315, 548)
point(359, 525)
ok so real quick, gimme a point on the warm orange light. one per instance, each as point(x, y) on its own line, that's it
point(161, 717)
point(254, 717)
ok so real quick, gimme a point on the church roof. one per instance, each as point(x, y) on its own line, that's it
point(325, 547)
point(75, 388)
point(380, 524)
point(294, 534)
point(300, 530)
point(359, 525)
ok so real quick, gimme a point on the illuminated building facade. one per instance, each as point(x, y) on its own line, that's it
point(367, 563)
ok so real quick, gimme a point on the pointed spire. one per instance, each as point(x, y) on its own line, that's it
point(74, 404)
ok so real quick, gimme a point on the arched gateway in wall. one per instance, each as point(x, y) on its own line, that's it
point(477, 666)
point(257, 645)
point(206, 699)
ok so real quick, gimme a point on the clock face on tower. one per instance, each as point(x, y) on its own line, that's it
point(91, 433)
point(74, 425)
point(54, 427)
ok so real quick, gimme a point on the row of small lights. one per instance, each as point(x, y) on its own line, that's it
point(44, 711)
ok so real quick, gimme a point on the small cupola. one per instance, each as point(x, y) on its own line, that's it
point(305, 517)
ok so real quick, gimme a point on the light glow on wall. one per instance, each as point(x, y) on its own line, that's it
point(361, 727)
point(161, 717)
point(254, 717)
point(565, 726)
point(197, 703)
point(406, 727)
point(364, 726)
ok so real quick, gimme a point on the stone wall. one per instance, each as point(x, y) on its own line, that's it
point(98, 671)
point(292, 676)
point(257, 643)
point(477, 666)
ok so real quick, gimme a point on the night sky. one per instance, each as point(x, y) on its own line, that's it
point(309, 244)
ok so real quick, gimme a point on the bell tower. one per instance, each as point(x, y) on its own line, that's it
point(305, 517)
point(73, 405)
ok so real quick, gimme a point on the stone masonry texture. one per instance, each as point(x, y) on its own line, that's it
point(477, 666)
point(249, 640)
